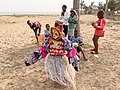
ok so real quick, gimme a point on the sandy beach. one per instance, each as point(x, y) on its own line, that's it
point(17, 41)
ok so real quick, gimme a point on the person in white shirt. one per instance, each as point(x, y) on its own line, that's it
point(64, 19)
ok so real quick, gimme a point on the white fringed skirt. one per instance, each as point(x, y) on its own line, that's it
point(60, 71)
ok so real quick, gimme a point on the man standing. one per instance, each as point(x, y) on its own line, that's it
point(64, 18)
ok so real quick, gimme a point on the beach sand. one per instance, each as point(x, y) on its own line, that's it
point(17, 41)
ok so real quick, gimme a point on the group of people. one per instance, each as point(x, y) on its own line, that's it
point(69, 23)
point(56, 46)
point(36, 26)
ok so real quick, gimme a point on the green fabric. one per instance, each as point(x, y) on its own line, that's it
point(57, 21)
point(71, 24)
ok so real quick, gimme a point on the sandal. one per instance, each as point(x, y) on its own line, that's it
point(93, 52)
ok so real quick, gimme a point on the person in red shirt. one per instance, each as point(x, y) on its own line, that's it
point(99, 31)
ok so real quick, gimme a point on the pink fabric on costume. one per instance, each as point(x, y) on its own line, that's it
point(71, 52)
point(44, 53)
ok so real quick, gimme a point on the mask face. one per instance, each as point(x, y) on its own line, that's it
point(55, 34)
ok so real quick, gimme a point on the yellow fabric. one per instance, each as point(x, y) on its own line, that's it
point(56, 42)
point(75, 44)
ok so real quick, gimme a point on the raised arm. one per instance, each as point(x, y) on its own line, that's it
point(99, 25)
point(64, 16)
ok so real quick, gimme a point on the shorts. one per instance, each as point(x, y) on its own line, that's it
point(98, 35)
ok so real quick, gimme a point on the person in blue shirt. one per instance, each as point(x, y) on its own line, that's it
point(47, 31)
point(77, 42)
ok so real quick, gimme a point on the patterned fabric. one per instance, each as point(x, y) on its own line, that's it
point(35, 25)
point(37, 55)
point(53, 49)
point(56, 62)
point(57, 50)
point(68, 45)
point(43, 51)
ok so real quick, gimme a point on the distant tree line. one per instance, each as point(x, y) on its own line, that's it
point(113, 7)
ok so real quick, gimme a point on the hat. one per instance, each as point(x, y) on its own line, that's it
point(72, 10)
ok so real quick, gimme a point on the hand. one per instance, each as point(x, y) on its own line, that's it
point(62, 13)
point(75, 22)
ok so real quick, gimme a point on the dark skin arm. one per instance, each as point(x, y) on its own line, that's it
point(39, 31)
point(62, 13)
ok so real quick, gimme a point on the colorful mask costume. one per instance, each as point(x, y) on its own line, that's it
point(54, 50)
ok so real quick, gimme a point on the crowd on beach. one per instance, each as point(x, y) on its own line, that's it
point(62, 46)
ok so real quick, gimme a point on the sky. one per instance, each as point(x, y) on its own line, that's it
point(43, 6)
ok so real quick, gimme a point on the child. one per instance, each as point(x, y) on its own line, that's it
point(47, 31)
point(99, 31)
point(77, 42)
point(72, 23)
point(35, 26)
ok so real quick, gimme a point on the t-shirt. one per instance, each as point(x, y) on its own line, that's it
point(71, 24)
point(64, 18)
point(75, 40)
point(35, 25)
point(99, 27)
point(47, 33)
